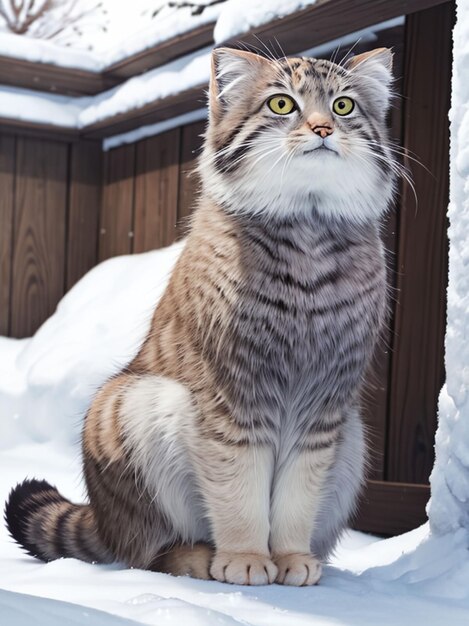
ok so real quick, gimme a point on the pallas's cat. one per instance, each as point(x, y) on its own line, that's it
point(232, 446)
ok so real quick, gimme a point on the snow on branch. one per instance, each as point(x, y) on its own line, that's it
point(197, 8)
point(63, 20)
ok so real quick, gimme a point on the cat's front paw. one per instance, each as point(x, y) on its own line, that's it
point(298, 569)
point(243, 569)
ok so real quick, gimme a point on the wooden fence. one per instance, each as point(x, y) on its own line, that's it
point(65, 205)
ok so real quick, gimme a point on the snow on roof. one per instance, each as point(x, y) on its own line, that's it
point(42, 51)
point(131, 29)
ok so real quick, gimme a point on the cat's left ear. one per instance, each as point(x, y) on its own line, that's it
point(376, 66)
point(232, 71)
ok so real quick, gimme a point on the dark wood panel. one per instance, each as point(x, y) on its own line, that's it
point(84, 208)
point(53, 78)
point(418, 367)
point(39, 233)
point(36, 130)
point(389, 508)
point(191, 144)
point(116, 220)
point(375, 394)
point(7, 176)
point(156, 191)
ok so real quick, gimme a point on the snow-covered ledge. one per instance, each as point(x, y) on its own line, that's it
point(448, 508)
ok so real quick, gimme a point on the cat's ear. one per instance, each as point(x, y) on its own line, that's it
point(232, 70)
point(374, 70)
point(376, 64)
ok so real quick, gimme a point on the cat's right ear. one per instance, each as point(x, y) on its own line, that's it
point(231, 71)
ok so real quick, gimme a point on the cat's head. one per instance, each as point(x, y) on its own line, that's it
point(288, 135)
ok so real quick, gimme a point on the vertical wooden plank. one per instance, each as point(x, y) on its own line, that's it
point(156, 191)
point(115, 233)
point(7, 176)
point(84, 207)
point(39, 232)
point(191, 144)
point(418, 367)
point(375, 395)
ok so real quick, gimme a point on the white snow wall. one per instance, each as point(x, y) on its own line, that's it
point(448, 508)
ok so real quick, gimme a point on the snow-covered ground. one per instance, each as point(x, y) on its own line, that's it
point(46, 384)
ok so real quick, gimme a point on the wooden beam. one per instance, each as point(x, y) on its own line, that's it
point(417, 356)
point(37, 130)
point(52, 78)
point(389, 508)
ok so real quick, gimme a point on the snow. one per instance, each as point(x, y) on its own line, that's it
point(46, 382)
point(239, 16)
point(129, 29)
point(189, 71)
point(46, 385)
point(40, 107)
point(41, 51)
point(449, 505)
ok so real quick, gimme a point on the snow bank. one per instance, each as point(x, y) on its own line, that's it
point(47, 382)
point(449, 505)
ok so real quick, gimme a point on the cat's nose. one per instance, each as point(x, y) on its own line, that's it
point(322, 131)
point(320, 125)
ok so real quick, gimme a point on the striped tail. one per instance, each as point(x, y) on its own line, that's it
point(48, 526)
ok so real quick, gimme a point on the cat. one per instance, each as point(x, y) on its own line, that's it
point(231, 447)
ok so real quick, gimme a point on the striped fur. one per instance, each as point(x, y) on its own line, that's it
point(232, 445)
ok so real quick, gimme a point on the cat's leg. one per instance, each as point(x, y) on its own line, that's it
point(295, 505)
point(236, 481)
point(342, 486)
point(140, 480)
point(186, 560)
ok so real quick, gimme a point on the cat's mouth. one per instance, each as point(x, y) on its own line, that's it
point(321, 149)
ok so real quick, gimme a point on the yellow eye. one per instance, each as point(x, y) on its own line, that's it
point(281, 105)
point(343, 106)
